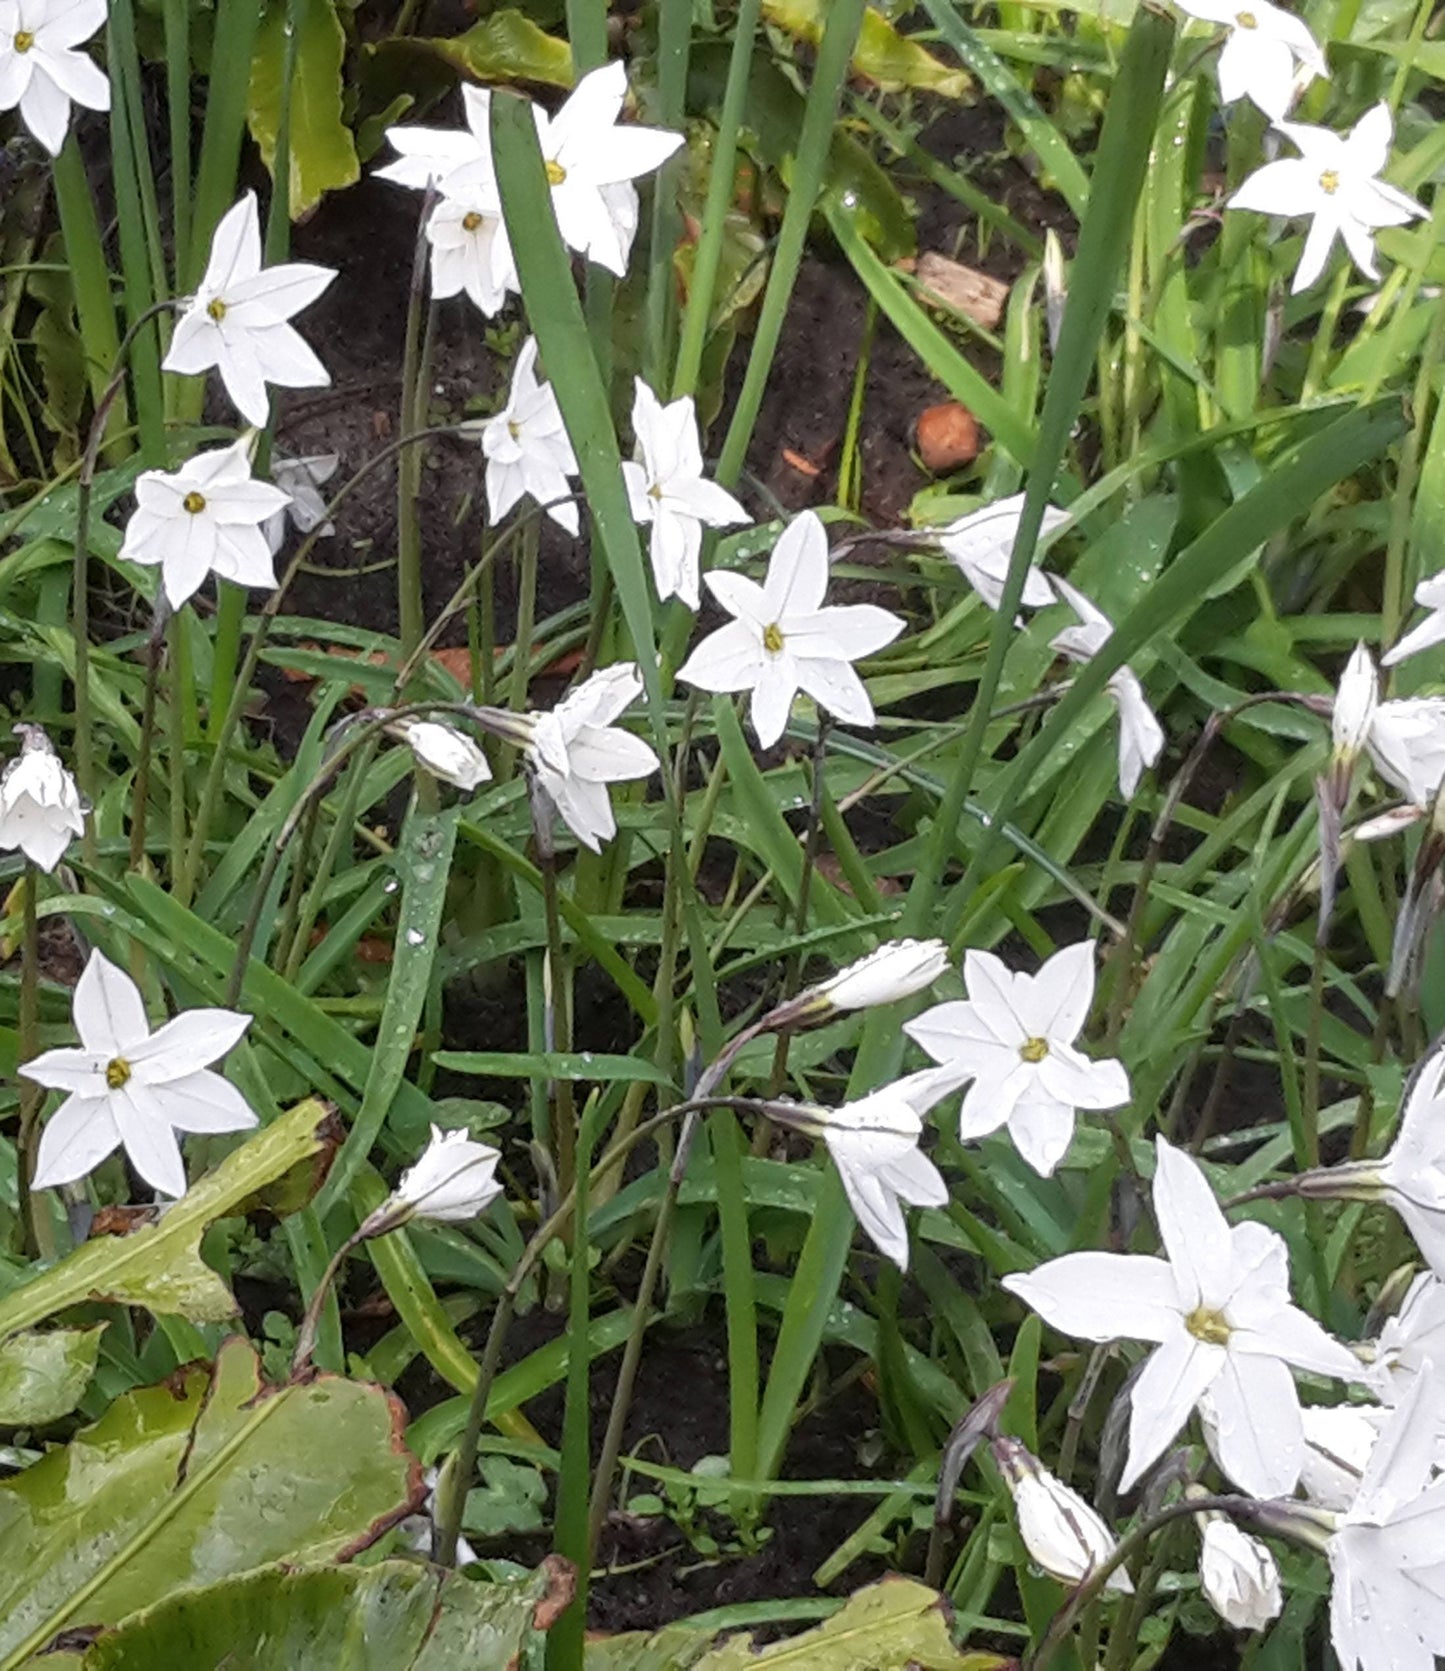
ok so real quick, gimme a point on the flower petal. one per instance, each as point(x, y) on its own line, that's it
point(77, 1137)
point(108, 1010)
point(1171, 1383)
point(1103, 1296)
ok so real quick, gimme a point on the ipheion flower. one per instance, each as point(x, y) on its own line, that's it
point(453, 1181)
point(527, 449)
point(444, 751)
point(1014, 1036)
point(1218, 1309)
point(238, 320)
point(667, 489)
point(207, 517)
point(575, 751)
point(782, 639)
point(1269, 55)
point(1059, 1529)
point(41, 69)
point(981, 543)
point(129, 1086)
point(1238, 1575)
point(1141, 737)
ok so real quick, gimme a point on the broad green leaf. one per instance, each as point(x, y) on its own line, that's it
point(322, 152)
point(160, 1265)
point(394, 1616)
point(894, 1625)
point(199, 1479)
point(891, 61)
point(507, 46)
point(43, 1376)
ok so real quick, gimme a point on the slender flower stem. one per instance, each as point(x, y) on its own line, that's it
point(526, 613)
point(177, 668)
point(811, 842)
point(37, 1236)
point(80, 583)
point(559, 1005)
point(311, 1322)
point(411, 610)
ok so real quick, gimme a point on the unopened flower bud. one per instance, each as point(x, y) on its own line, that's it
point(897, 970)
point(444, 751)
point(1060, 1531)
point(453, 1181)
point(1238, 1575)
point(40, 807)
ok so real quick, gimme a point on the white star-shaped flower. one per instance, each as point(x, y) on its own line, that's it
point(1430, 595)
point(1141, 737)
point(1219, 1308)
point(1335, 181)
point(873, 1141)
point(782, 639)
point(470, 253)
point(527, 449)
point(592, 158)
point(576, 751)
point(1269, 56)
point(981, 543)
point(40, 68)
point(40, 807)
point(1387, 1554)
point(238, 320)
point(130, 1086)
point(209, 515)
point(1014, 1037)
point(668, 489)
point(1405, 739)
point(454, 1180)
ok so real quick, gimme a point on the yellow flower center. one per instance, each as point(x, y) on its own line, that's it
point(194, 503)
point(1208, 1326)
point(24, 41)
point(1329, 182)
point(471, 221)
point(1246, 20)
point(655, 492)
point(556, 174)
point(216, 309)
point(773, 637)
point(1034, 1050)
point(117, 1072)
point(514, 429)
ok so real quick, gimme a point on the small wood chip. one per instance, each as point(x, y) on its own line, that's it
point(962, 289)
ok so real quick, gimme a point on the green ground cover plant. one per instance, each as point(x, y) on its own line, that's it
point(630, 1036)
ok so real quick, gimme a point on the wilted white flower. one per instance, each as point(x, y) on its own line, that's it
point(1430, 595)
point(301, 479)
point(1387, 1553)
point(1014, 1036)
point(470, 253)
point(1335, 181)
point(40, 808)
point(1219, 1308)
point(1238, 1575)
point(209, 515)
point(874, 1144)
point(981, 543)
point(130, 1086)
point(527, 448)
point(1269, 55)
point(40, 68)
point(575, 751)
point(445, 752)
point(453, 1181)
point(668, 489)
point(238, 320)
point(1060, 1530)
point(782, 639)
point(1141, 738)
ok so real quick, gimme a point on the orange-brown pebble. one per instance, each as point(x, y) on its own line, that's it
point(947, 436)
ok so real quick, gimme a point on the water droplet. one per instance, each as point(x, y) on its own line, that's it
point(414, 937)
point(390, 885)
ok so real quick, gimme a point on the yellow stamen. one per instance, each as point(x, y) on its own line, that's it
point(1208, 1326)
point(556, 174)
point(471, 221)
point(216, 309)
point(194, 503)
point(1034, 1050)
point(117, 1072)
point(1329, 182)
point(1246, 20)
point(24, 41)
point(773, 637)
